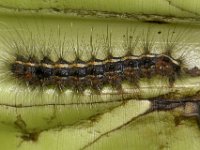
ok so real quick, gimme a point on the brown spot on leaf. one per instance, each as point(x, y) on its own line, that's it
point(32, 136)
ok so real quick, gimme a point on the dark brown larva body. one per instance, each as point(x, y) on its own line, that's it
point(96, 73)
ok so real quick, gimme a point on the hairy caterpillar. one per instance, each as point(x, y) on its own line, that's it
point(99, 64)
